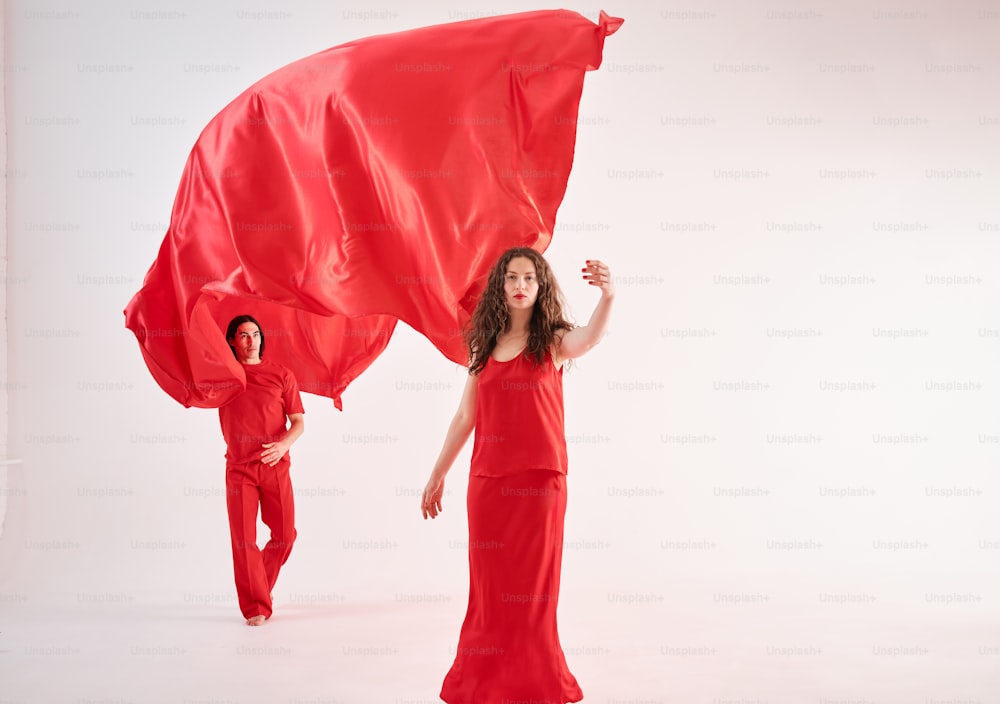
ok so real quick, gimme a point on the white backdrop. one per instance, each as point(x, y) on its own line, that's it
point(784, 458)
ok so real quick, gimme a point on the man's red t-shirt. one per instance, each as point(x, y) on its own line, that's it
point(260, 413)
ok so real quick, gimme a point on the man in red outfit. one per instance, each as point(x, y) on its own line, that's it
point(258, 438)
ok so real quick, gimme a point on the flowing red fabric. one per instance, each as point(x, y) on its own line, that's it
point(372, 182)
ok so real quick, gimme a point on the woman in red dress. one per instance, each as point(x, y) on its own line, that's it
point(518, 340)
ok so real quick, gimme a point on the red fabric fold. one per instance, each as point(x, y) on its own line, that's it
point(372, 182)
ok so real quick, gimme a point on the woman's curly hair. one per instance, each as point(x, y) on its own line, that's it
point(491, 318)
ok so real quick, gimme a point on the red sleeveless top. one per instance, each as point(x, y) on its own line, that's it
point(519, 418)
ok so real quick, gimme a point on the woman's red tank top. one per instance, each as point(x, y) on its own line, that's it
point(519, 418)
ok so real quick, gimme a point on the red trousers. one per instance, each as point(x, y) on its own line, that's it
point(247, 486)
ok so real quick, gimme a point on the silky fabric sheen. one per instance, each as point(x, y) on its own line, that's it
point(519, 418)
point(509, 648)
point(372, 182)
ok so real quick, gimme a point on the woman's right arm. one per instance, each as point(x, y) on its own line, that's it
point(458, 433)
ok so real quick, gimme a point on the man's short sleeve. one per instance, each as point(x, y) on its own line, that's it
point(292, 399)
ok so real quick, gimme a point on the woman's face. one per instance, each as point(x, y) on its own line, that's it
point(520, 284)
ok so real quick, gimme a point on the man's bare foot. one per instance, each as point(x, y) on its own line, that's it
point(256, 620)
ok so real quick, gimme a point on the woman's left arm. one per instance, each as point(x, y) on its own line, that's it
point(578, 341)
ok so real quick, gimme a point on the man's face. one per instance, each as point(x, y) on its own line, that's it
point(246, 342)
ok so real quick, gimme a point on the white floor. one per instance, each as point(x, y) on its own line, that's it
point(116, 588)
point(631, 649)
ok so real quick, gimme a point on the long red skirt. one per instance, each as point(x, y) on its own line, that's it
point(509, 649)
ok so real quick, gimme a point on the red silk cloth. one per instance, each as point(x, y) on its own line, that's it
point(372, 182)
